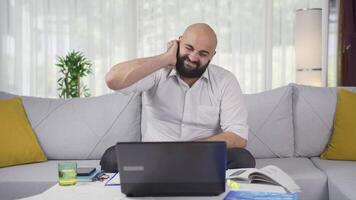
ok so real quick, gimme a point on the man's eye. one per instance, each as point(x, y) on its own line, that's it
point(203, 55)
point(189, 48)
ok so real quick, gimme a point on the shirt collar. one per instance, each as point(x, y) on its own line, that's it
point(173, 72)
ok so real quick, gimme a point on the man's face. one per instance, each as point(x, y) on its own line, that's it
point(194, 55)
point(190, 69)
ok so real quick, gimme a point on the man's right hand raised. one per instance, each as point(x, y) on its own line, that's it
point(171, 53)
point(127, 73)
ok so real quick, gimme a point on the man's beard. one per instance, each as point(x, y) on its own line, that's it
point(188, 72)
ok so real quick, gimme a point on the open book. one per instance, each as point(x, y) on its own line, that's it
point(267, 175)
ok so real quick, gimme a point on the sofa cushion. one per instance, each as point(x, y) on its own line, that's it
point(18, 143)
point(5, 95)
point(341, 177)
point(313, 115)
point(83, 128)
point(342, 142)
point(270, 123)
point(312, 181)
point(26, 180)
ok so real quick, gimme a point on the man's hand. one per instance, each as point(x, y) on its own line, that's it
point(171, 54)
point(232, 140)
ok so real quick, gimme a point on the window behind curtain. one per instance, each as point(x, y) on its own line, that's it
point(255, 38)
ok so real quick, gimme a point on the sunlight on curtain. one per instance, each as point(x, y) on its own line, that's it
point(255, 38)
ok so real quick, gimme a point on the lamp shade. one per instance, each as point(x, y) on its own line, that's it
point(308, 46)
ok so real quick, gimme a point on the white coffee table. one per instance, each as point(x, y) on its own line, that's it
point(87, 191)
point(98, 190)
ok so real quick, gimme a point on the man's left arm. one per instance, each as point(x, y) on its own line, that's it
point(232, 140)
point(233, 116)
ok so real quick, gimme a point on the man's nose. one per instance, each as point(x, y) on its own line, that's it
point(193, 57)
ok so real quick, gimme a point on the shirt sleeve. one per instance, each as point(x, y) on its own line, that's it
point(233, 114)
point(142, 85)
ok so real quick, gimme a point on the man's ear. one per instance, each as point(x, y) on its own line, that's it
point(213, 55)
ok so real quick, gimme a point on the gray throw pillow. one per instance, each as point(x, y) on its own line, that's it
point(313, 115)
point(270, 123)
point(83, 128)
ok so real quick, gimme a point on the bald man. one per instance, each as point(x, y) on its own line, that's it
point(185, 98)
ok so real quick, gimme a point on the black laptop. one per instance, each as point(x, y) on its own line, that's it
point(172, 168)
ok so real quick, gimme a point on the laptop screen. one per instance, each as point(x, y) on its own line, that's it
point(178, 168)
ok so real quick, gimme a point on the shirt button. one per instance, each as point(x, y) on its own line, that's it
point(183, 125)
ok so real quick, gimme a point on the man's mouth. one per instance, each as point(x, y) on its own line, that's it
point(190, 64)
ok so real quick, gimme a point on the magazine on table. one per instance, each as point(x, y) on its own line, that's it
point(248, 195)
point(114, 180)
point(267, 175)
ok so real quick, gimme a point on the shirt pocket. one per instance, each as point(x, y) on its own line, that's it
point(208, 116)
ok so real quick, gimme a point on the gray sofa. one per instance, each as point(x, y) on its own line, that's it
point(289, 127)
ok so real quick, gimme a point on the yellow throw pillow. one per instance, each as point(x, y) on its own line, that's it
point(18, 143)
point(342, 145)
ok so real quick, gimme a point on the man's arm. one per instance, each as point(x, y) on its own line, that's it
point(232, 140)
point(233, 115)
point(127, 73)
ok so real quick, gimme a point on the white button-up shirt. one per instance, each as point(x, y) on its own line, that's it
point(173, 111)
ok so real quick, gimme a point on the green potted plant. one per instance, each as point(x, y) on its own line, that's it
point(72, 68)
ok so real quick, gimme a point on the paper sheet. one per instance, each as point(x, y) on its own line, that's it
point(114, 180)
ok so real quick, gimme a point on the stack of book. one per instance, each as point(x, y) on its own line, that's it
point(86, 174)
point(269, 182)
point(248, 195)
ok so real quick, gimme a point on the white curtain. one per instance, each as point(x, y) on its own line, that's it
point(255, 38)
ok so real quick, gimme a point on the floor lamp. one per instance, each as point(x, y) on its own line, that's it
point(308, 46)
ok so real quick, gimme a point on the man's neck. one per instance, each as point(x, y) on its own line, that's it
point(189, 81)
